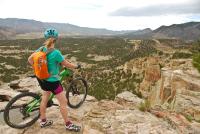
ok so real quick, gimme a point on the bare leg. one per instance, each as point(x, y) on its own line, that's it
point(63, 105)
point(63, 109)
point(43, 104)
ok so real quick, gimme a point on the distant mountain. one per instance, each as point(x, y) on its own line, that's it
point(13, 28)
point(25, 26)
point(145, 33)
point(6, 32)
point(185, 31)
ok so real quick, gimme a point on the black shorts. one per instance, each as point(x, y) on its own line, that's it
point(54, 87)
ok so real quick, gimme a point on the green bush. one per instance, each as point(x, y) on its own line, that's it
point(195, 47)
point(180, 55)
point(145, 106)
point(196, 61)
point(160, 53)
point(188, 117)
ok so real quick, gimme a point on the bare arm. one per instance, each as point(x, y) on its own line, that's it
point(30, 59)
point(67, 64)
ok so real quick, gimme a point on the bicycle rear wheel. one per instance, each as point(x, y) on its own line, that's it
point(22, 111)
point(77, 92)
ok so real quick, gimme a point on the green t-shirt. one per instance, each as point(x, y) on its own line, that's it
point(53, 59)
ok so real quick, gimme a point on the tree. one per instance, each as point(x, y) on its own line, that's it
point(196, 61)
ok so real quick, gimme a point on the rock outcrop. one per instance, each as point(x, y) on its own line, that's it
point(171, 88)
point(175, 87)
point(8, 91)
point(120, 116)
point(102, 117)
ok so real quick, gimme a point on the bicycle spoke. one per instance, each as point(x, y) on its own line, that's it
point(22, 110)
point(15, 107)
point(77, 92)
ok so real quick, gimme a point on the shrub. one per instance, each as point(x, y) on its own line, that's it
point(160, 53)
point(179, 55)
point(145, 106)
point(196, 61)
point(188, 117)
point(195, 47)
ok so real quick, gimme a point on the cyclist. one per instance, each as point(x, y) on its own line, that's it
point(52, 84)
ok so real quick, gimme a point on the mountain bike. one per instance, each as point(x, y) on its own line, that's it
point(23, 110)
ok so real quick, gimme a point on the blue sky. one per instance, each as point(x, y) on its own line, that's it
point(109, 14)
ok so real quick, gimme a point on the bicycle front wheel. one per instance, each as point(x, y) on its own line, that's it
point(77, 92)
point(22, 111)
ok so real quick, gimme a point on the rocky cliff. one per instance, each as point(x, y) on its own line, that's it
point(175, 87)
point(170, 87)
point(172, 92)
point(169, 103)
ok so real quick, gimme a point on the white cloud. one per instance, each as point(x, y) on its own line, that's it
point(90, 13)
point(160, 9)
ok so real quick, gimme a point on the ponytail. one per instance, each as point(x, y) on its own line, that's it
point(49, 42)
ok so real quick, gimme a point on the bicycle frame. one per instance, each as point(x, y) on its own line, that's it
point(35, 103)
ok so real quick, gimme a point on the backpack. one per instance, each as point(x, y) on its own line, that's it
point(40, 64)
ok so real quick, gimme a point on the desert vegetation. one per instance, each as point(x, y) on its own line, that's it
point(196, 54)
point(104, 55)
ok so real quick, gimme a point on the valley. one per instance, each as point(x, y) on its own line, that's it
point(103, 60)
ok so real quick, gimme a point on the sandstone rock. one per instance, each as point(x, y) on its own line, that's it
point(88, 130)
point(25, 85)
point(29, 84)
point(15, 84)
point(192, 72)
point(177, 121)
point(90, 98)
point(134, 121)
point(3, 101)
point(129, 97)
point(152, 65)
point(7, 130)
point(4, 98)
point(195, 127)
point(177, 89)
point(152, 73)
point(173, 91)
point(6, 95)
point(116, 119)
point(109, 106)
point(177, 62)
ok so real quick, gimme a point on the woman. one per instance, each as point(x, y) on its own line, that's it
point(52, 84)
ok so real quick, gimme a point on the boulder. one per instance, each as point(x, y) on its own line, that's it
point(4, 98)
point(177, 121)
point(128, 97)
point(14, 84)
point(90, 98)
point(29, 84)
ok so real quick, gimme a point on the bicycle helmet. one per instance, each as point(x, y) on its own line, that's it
point(50, 32)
